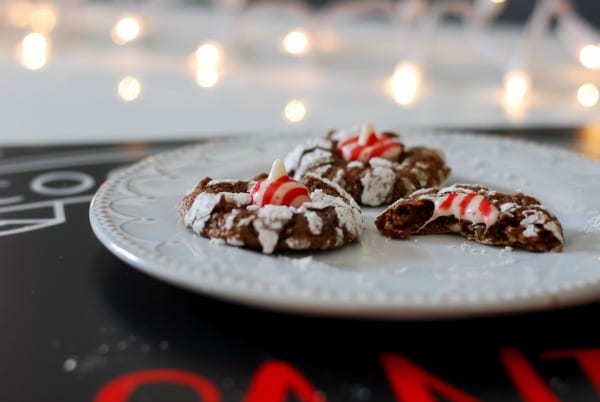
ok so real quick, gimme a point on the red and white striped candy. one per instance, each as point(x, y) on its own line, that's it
point(466, 206)
point(369, 145)
point(279, 189)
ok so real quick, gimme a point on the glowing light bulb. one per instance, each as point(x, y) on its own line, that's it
point(294, 111)
point(209, 53)
point(405, 83)
point(207, 76)
point(497, 1)
point(516, 85)
point(126, 30)
point(19, 13)
point(129, 89)
point(588, 95)
point(34, 51)
point(43, 19)
point(589, 56)
point(296, 43)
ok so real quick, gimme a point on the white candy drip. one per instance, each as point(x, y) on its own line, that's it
point(467, 206)
point(365, 133)
point(277, 170)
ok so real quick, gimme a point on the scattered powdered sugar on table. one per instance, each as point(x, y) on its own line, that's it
point(302, 263)
point(592, 225)
point(70, 363)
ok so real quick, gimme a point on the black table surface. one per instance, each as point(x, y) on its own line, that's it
point(77, 324)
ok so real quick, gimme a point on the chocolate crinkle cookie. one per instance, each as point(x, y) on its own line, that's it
point(375, 169)
point(274, 213)
point(473, 211)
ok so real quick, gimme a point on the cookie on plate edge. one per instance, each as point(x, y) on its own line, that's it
point(477, 213)
point(375, 169)
point(274, 213)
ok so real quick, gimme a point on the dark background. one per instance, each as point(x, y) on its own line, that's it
point(516, 10)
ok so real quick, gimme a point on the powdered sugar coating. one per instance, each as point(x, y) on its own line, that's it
point(204, 204)
point(374, 182)
point(271, 219)
point(377, 185)
point(535, 220)
point(315, 223)
point(273, 227)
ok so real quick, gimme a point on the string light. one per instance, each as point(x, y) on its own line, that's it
point(129, 89)
point(296, 43)
point(209, 53)
point(34, 51)
point(208, 58)
point(588, 95)
point(405, 83)
point(43, 19)
point(588, 136)
point(589, 56)
point(295, 111)
point(516, 85)
point(126, 29)
point(207, 76)
point(40, 17)
point(19, 13)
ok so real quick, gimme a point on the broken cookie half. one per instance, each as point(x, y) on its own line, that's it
point(477, 213)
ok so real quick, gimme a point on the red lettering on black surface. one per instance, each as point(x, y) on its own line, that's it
point(121, 388)
point(529, 384)
point(588, 359)
point(411, 383)
point(274, 380)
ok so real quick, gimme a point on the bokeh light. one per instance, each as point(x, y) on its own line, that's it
point(129, 89)
point(295, 111)
point(296, 43)
point(34, 51)
point(589, 56)
point(588, 95)
point(207, 76)
point(126, 29)
point(405, 83)
point(209, 53)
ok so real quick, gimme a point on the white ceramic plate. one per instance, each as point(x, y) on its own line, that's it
point(135, 215)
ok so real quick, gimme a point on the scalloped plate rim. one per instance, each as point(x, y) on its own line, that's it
point(571, 294)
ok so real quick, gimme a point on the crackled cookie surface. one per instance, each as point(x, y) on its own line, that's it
point(375, 169)
point(477, 213)
point(273, 213)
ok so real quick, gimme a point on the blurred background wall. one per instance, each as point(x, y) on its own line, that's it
point(516, 10)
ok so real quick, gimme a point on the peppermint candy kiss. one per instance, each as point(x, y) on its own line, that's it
point(471, 207)
point(369, 145)
point(279, 189)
